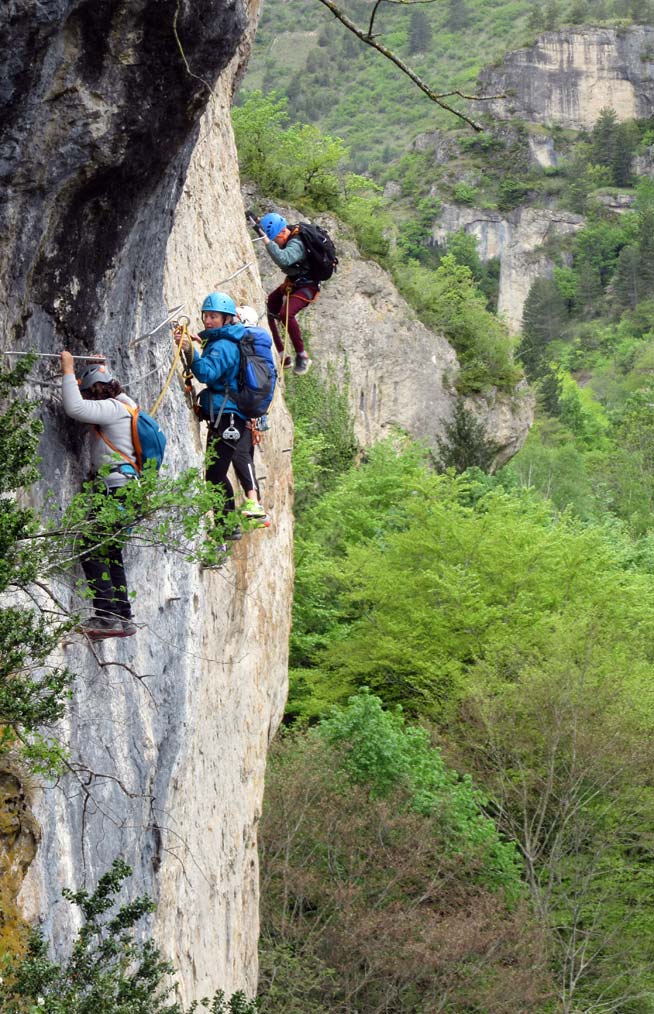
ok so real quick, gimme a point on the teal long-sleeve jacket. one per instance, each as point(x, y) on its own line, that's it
point(292, 258)
point(218, 368)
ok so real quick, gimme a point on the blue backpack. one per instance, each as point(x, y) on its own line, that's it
point(257, 376)
point(148, 438)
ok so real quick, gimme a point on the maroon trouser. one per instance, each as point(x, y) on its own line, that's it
point(284, 306)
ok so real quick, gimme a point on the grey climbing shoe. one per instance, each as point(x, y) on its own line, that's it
point(302, 364)
point(98, 627)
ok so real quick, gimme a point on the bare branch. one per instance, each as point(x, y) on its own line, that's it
point(436, 97)
point(404, 3)
point(372, 17)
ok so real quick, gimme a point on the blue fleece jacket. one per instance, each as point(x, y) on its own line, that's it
point(218, 367)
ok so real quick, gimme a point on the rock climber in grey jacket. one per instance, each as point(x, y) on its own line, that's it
point(99, 400)
point(297, 290)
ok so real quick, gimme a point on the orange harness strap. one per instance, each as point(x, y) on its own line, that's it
point(135, 441)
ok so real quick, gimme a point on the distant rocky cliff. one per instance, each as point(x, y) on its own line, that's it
point(121, 199)
point(399, 373)
point(564, 79)
point(568, 76)
point(517, 239)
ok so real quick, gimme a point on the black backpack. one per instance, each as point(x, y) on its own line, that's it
point(320, 250)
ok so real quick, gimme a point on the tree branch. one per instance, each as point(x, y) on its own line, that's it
point(405, 3)
point(436, 97)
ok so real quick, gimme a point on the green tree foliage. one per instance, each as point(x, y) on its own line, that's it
point(578, 12)
point(552, 464)
point(630, 469)
point(348, 626)
point(33, 695)
point(420, 32)
point(363, 829)
point(458, 16)
point(364, 504)
point(543, 318)
point(527, 636)
point(364, 209)
point(627, 288)
point(447, 300)
point(583, 178)
point(462, 246)
point(108, 970)
point(572, 737)
point(551, 15)
point(595, 252)
point(415, 234)
point(324, 442)
point(293, 163)
point(465, 443)
point(612, 146)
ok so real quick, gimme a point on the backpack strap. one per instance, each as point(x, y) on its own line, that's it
point(135, 441)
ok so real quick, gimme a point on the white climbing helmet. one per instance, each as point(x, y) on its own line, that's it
point(247, 315)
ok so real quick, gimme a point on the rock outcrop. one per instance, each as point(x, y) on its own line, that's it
point(399, 373)
point(568, 76)
point(518, 239)
point(121, 199)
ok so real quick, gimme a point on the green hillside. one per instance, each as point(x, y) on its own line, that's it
point(333, 80)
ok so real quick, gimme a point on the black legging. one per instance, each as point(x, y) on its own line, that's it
point(224, 453)
point(105, 572)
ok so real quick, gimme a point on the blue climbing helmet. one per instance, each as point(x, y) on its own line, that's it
point(272, 224)
point(97, 374)
point(219, 302)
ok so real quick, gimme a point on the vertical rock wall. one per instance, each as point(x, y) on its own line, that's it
point(122, 199)
point(567, 77)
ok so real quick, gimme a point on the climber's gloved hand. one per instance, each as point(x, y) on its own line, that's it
point(179, 339)
point(253, 220)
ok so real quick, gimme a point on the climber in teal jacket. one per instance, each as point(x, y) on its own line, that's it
point(218, 368)
point(295, 293)
point(229, 441)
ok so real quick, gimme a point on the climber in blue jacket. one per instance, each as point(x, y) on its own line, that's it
point(228, 438)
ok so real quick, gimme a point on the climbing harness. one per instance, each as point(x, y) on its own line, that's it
point(257, 427)
point(231, 432)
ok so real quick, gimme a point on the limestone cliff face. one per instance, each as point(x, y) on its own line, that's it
point(122, 199)
point(517, 239)
point(567, 77)
point(399, 373)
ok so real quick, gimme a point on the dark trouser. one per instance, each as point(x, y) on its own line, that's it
point(224, 453)
point(280, 303)
point(105, 572)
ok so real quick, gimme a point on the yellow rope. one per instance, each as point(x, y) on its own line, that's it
point(181, 330)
